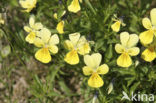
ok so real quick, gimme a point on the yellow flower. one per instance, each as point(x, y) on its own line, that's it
point(76, 45)
point(62, 14)
point(28, 5)
point(1, 19)
point(47, 43)
point(74, 6)
point(93, 68)
point(60, 27)
point(32, 29)
point(116, 26)
point(146, 37)
point(126, 49)
point(149, 54)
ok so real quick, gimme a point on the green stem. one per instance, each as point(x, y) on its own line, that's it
point(90, 6)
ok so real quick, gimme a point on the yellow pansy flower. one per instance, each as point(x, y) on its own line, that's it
point(74, 6)
point(47, 43)
point(32, 29)
point(118, 22)
point(93, 68)
point(149, 54)
point(116, 26)
point(127, 48)
point(1, 19)
point(76, 45)
point(28, 5)
point(60, 27)
point(146, 37)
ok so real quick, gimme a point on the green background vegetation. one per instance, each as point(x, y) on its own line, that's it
point(23, 79)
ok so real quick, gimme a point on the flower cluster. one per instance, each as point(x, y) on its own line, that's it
point(78, 45)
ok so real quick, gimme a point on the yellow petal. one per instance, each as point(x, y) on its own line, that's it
point(27, 29)
point(95, 81)
point(32, 21)
point(30, 37)
point(38, 26)
point(43, 55)
point(116, 26)
point(133, 40)
point(84, 49)
point(124, 37)
point(89, 61)
point(74, 38)
point(103, 69)
point(97, 57)
point(55, 15)
point(119, 48)
point(72, 57)
point(81, 41)
point(149, 54)
point(54, 39)
point(24, 4)
point(45, 34)
point(87, 70)
point(153, 16)
point(53, 49)
point(134, 51)
point(93, 61)
point(147, 23)
point(68, 45)
point(60, 27)
point(146, 37)
point(28, 5)
point(38, 42)
point(124, 60)
point(74, 6)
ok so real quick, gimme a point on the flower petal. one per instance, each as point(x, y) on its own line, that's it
point(89, 61)
point(68, 45)
point(54, 39)
point(84, 49)
point(72, 57)
point(116, 26)
point(38, 26)
point(133, 40)
point(119, 48)
point(153, 16)
point(30, 37)
point(74, 6)
point(38, 42)
point(45, 34)
point(53, 49)
point(93, 61)
point(74, 37)
point(43, 55)
point(97, 57)
point(60, 27)
point(27, 29)
point(146, 37)
point(32, 21)
point(103, 69)
point(87, 70)
point(147, 23)
point(124, 37)
point(95, 81)
point(134, 51)
point(124, 60)
point(149, 54)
